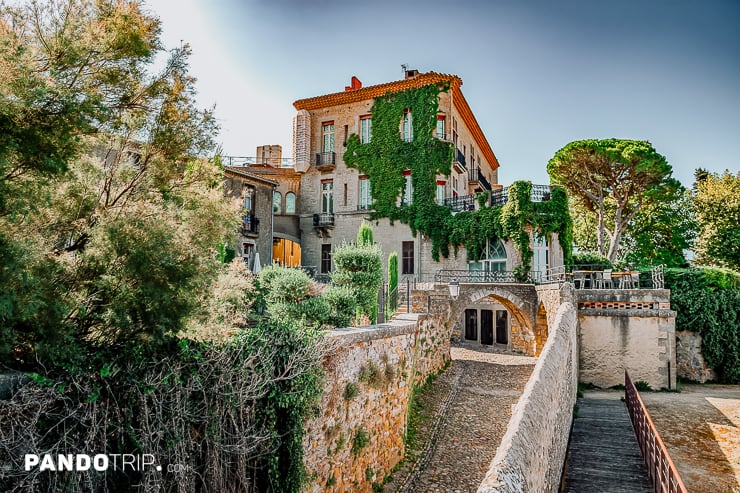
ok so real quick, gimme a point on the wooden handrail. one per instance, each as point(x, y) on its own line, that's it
point(661, 469)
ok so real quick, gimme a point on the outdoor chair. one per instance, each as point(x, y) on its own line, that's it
point(606, 279)
point(579, 279)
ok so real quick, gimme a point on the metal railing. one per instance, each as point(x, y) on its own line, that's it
point(661, 470)
point(475, 174)
point(250, 225)
point(461, 203)
point(538, 193)
point(596, 276)
point(460, 158)
point(323, 220)
point(243, 161)
point(485, 277)
point(326, 158)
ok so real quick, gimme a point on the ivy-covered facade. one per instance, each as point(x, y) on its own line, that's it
point(410, 156)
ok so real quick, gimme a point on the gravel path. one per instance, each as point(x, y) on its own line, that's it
point(473, 401)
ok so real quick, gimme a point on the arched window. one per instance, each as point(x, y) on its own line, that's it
point(277, 202)
point(493, 258)
point(290, 203)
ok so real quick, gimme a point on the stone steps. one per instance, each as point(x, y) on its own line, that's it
point(603, 454)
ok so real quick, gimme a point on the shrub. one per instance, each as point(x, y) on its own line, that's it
point(351, 390)
point(360, 268)
point(591, 260)
point(342, 303)
point(365, 234)
point(360, 441)
point(707, 301)
point(284, 284)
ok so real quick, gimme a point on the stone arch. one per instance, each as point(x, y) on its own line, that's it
point(521, 309)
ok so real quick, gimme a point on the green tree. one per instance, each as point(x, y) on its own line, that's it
point(717, 207)
point(110, 211)
point(612, 179)
point(360, 268)
point(365, 234)
point(661, 232)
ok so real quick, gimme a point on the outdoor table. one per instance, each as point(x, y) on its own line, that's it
point(627, 278)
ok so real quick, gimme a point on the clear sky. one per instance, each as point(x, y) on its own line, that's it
point(537, 74)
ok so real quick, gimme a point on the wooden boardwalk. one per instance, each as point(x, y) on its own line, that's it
point(603, 455)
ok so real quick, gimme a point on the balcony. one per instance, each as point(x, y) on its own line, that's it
point(476, 177)
point(326, 161)
point(459, 162)
point(323, 220)
point(250, 226)
point(539, 193)
point(461, 203)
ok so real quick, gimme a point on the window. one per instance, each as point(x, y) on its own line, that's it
point(366, 129)
point(327, 196)
point(344, 202)
point(346, 133)
point(540, 259)
point(366, 197)
point(408, 128)
point(408, 189)
point(277, 202)
point(327, 133)
point(326, 258)
point(440, 126)
point(440, 192)
point(493, 258)
point(248, 195)
point(290, 203)
point(472, 157)
point(407, 257)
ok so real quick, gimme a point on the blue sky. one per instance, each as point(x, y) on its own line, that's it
point(537, 74)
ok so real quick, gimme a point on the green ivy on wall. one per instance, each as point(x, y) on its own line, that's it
point(385, 158)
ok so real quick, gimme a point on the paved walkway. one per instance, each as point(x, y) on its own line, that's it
point(473, 413)
point(603, 454)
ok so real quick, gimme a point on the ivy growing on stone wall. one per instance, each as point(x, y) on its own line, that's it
point(387, 156)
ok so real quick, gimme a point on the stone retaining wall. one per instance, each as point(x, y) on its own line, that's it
point(531, 455)
point(690, 364)
point(627, 329)
point(358, 438)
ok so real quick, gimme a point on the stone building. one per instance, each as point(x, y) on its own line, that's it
point(255, 194)
point(335, 198)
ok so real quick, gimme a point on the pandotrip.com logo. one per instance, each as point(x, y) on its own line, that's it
point(125, 463)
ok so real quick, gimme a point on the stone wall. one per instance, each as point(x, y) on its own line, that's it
point(690, 364)
point(627, 329)
point(358, 438)
point(544, 411)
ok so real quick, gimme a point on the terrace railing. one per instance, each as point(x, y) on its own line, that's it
point(461, 203)
point(485, 277)
point(660, 467)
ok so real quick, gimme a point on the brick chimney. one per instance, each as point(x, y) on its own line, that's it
point(355, 84)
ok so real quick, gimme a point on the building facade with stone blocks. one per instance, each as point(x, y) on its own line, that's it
point(255, 195)
point(335, 199)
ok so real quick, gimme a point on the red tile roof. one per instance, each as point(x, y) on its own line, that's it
point(420, 80)
point(371, 92)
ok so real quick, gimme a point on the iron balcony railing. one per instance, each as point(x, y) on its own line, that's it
point(539, 193)
point(323, 220)
point(475, 174)
point(484, 277)
point(461, 203)
point(460, 158)
point(326, 158)
point(250, 225)
point(661, 470)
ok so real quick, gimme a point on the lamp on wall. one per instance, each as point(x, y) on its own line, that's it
point(454, 289)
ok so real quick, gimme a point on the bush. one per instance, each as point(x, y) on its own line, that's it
point(342, 303)
point(707, 301)
point(284, 284)
point(591, 260)
point(360, 268)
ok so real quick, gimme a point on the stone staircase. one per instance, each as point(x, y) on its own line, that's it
point(603, 454)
